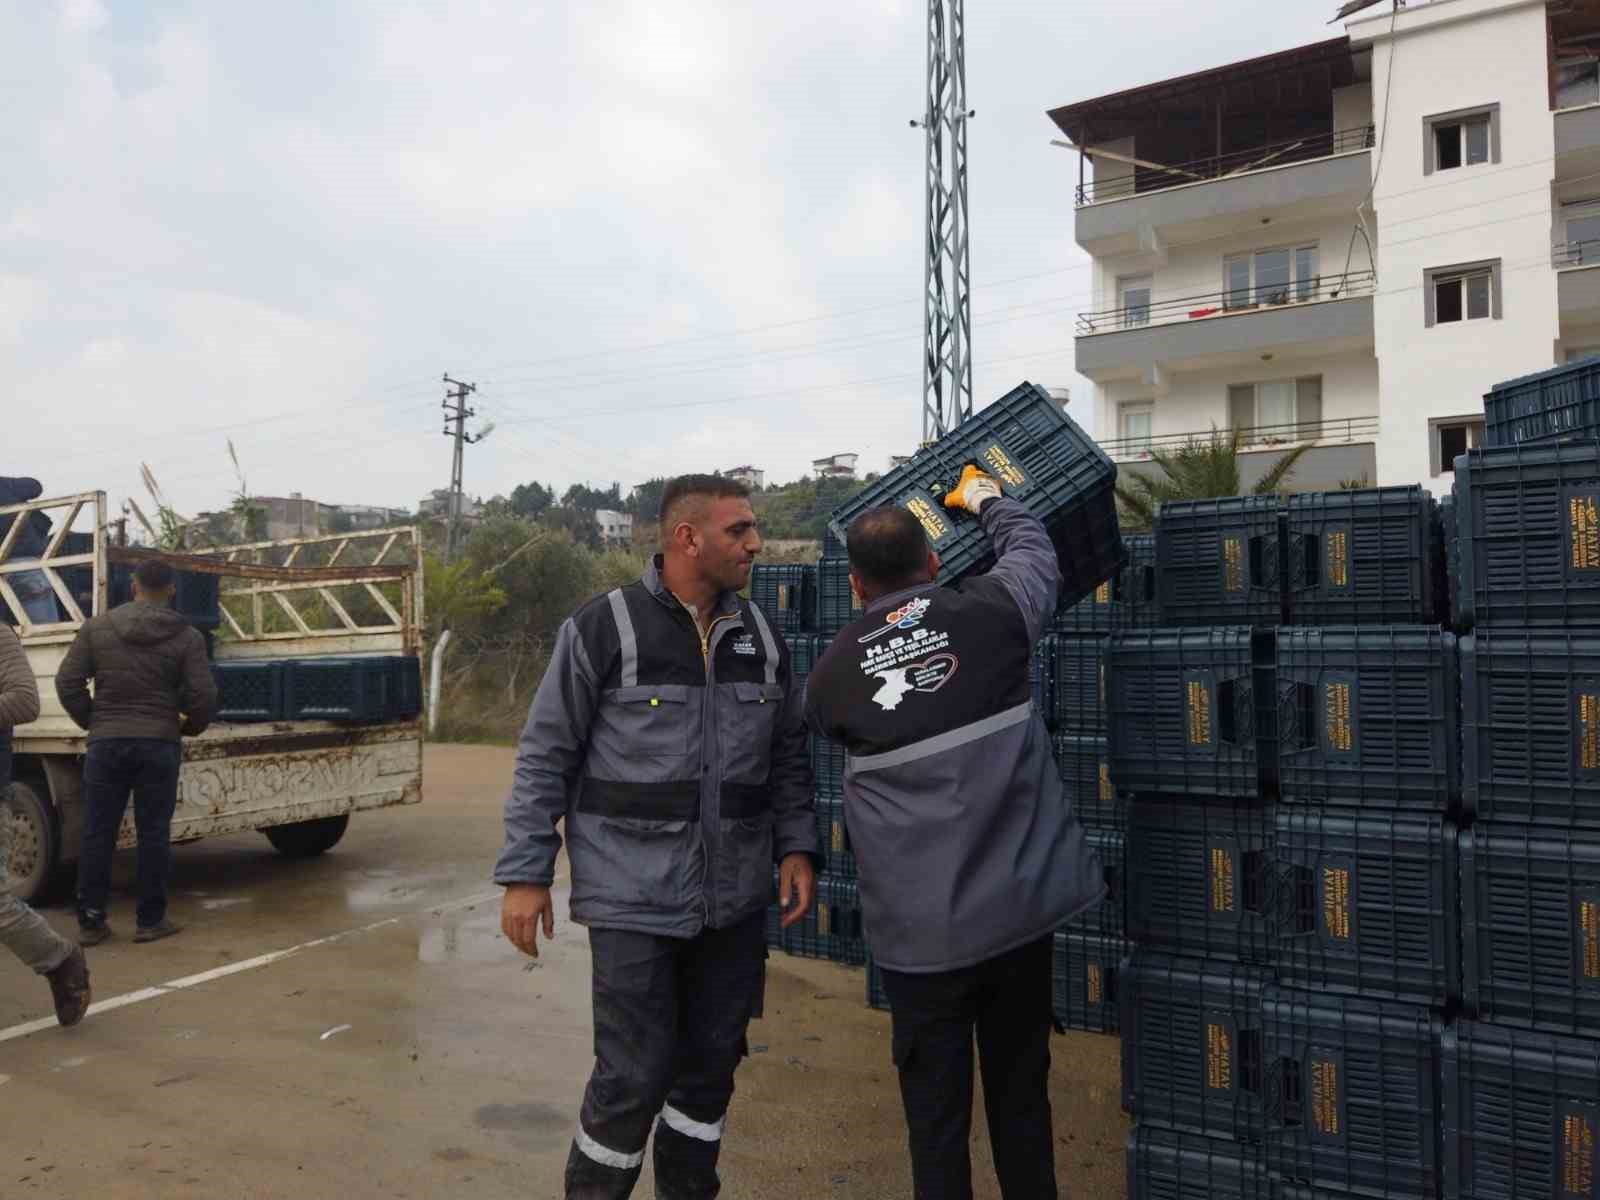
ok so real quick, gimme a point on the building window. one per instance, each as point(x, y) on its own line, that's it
point(1465, 292)
point(1577, 82)
point(1135, 421)
point(1133, 297)
point(1273, 276)
point(1451, 437)
point(1277, 409)
point(1581, 228)
point(1461, 139)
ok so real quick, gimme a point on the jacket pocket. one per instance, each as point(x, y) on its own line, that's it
point(744, 865)
point(645, 733)
point(747, 715)
point(629, 862)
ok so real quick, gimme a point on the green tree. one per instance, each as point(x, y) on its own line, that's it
point(644, 502)
point(1197, 470)
point(582, 496)
point(460, 596)
point(531, 499)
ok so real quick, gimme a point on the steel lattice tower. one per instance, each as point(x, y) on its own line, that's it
point(947, 333)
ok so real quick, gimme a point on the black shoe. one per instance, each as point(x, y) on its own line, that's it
point(93, 934)
point(69, 987)
point(154, 933)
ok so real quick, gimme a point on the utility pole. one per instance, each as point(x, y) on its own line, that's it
point(947, 306)
point(456, 413)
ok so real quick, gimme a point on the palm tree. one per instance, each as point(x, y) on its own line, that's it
point(1196, 470)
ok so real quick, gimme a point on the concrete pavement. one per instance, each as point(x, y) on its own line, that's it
point(354, 1026)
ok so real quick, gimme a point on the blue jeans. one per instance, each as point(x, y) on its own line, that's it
point(146, 768)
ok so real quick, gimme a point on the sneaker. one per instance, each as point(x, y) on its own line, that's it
point(154, 933)
point(93, 934)
point(69, 987)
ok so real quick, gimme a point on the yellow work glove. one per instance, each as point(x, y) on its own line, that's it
point(972, 490)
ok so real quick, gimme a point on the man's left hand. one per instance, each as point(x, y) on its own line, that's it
point(797, 887)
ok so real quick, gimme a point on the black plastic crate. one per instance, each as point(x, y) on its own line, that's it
point(827, 765)
point(1366, 904)
point(837, 605)
point(338, 689)
point(1109, 917)
point(405, 688)
point(1353, 1101)
point(1086, 779)
point(1361, 556)
point(1167, 1164)
point(833, 544)
point(1367, 717)
point(786, 593)
point(1138, 590)
point(1041, 679)
point(1447, 564)
point(1530, 912)
point(1221, 561)
point(1199, 877)
point(1083, 975)
point(1191, 1044)
point(250, 691)
point(1095, 612)
point(1530, 726)
point(1521, 1114)
point(1183, 712)
point(1552, 405)
point(1041, 458)
point(1080, 685)
point(832, 930)
point(1528, 525)
point(838, 859)
point(805, 652)
point(876, 996)
point(197, 597)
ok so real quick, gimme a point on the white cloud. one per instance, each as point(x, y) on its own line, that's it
point(283, 223)
point(83, 16)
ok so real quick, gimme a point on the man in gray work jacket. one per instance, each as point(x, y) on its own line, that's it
point(969, 854)
point(667, 736)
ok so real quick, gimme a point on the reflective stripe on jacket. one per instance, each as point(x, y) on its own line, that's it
point(677, 764)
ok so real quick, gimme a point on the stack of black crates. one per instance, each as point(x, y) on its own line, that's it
point(1285, 748)
point(1520, 1071)
point(809, 604)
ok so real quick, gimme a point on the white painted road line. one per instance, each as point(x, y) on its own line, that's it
point(250, 964)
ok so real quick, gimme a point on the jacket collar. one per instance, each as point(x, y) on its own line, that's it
point(727, 602)
point(893, 598)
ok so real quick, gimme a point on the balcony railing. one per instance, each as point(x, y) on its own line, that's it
point(1158, 178)
point(1258, 437)
point(1576, 254)
point(1228, 303)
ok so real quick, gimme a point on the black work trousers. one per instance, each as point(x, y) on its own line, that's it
point(670, 1016)
point(146, 769)
point(1005, 1002)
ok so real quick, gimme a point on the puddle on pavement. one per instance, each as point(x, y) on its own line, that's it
point(463, 942)
point(530, 1126)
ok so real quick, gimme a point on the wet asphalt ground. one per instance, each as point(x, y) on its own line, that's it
point(354, 1026)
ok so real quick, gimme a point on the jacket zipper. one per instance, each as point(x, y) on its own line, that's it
point(707, 711)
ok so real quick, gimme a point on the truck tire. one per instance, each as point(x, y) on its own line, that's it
point(35, 841)
point(307, 839)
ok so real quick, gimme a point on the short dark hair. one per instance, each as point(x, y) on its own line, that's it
point(153, 575)
point(687, 487)
point(888, 548)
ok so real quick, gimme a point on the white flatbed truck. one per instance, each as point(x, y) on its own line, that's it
point(296, 781)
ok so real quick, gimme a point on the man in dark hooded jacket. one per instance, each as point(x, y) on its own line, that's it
point(153, 687)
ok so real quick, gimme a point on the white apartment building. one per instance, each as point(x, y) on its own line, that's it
point(615, 527)
point(1345, 243)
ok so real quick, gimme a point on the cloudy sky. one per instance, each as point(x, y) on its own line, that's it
point(660, 236)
